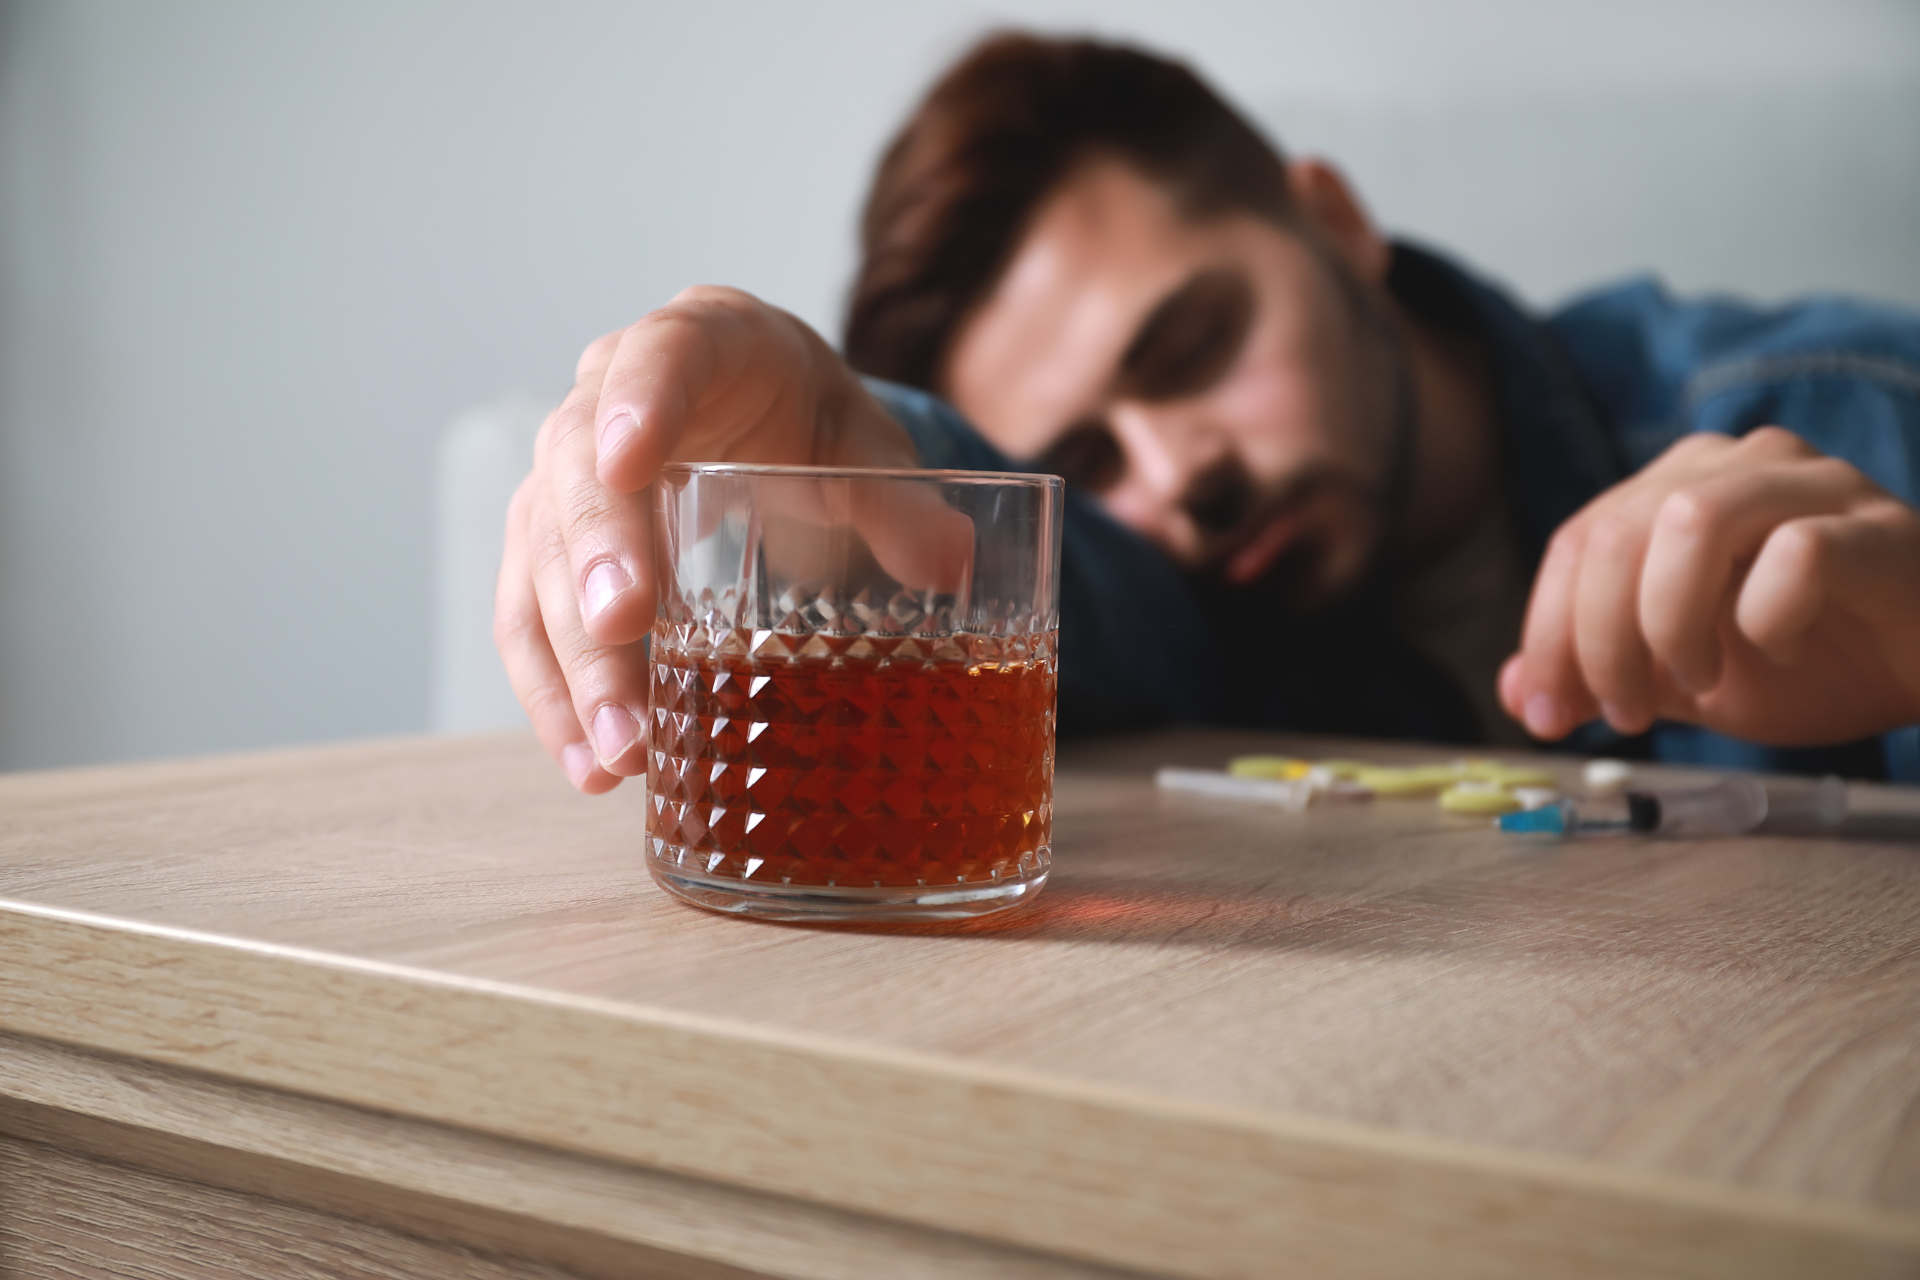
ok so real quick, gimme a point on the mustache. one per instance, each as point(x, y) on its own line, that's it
point(1230, 509)
point(1225, 502)
point(1220, 499)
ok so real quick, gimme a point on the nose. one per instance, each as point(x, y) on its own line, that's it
point(1184, 484)
point(1219, 498)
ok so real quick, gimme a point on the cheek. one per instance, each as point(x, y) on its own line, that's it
point(1273, 409)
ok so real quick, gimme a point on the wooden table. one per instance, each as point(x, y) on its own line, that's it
point(414, 1008)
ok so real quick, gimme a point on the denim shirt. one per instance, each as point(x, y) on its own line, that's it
point(1585, 397)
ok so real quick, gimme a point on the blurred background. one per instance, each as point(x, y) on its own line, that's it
point(257, 262)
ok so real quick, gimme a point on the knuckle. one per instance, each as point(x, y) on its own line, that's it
point(683, 320)
point(518, 505)
point(1803, 547)
point(1613, 535)
point(1565, 544)
point(597, 673)
point(1691, 513)
point(511, 627)
point(549, 702)
point(574, 415)
point(588, 505)
point(560, 427)
point(549, 554)
point(546, 544)
point(598, 352)
point(1838, 472)
point(1776, 442)
point(1698, 444)
point(711, 295)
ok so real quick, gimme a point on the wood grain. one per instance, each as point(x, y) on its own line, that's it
point(592, 1217)
point(1371, 1040)
point(71, 1218)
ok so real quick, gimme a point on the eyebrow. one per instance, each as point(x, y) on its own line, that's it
point(1154, 324)
point(1158, 331)
point(1219, 301)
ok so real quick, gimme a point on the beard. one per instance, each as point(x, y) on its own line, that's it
point(1386, 413)
point(1365, 493)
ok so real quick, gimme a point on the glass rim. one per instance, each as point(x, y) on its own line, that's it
point(948, 475)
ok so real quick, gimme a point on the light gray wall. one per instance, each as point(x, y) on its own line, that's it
point(253, 258)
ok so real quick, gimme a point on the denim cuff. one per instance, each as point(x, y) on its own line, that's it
point(1903, 755)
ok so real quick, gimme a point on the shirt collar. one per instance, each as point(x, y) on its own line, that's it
point(1555, 449)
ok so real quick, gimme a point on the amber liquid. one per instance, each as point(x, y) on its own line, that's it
point(863, 765)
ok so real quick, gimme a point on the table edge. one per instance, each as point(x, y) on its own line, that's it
point(1080, 1168)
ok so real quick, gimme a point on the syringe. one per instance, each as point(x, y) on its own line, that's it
point(1723, 809)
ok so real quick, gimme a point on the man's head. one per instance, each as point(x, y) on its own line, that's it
point(1113, 275)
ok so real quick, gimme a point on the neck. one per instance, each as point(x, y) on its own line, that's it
point(1456, 455)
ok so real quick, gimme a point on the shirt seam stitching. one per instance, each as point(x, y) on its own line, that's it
point(1738, 374)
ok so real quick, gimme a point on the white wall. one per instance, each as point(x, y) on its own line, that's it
point(254, 257)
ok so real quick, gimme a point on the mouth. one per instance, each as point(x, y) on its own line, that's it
point(1300, 541)
point(1249, 557)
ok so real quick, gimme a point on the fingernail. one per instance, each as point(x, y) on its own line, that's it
point(614, 731)
point(1543, 715)
point(614, 428)
point(605, 582)
point(577, 759)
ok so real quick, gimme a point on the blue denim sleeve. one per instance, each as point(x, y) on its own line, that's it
point(1841, 373)
point(1903, 755)
point(1134, 651)
point(1859, 405)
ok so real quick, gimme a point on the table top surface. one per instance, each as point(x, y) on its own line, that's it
point(1744, 1011)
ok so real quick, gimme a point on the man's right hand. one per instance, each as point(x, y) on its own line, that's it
point(714, 376)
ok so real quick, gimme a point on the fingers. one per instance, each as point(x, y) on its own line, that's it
point(1512, 686)
point(918, 541)
point(746, 373)
point(1549, 695)
point(1705, 534)
point(1682, 591)
point(1615, 660)
point(1619, 660)
point(606, 684)
point(660, 372)
point(717, 375)
point(1630, 603)
point(923, 543)
point(538, 681)
point(1866, 562)
point(581, 590)
point(608, 534)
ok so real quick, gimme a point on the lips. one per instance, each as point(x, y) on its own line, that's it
point(1262, 548)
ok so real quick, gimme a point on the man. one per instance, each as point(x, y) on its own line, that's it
point(1316, 480)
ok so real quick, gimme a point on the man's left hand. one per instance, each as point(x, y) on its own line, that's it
point(1754, 586)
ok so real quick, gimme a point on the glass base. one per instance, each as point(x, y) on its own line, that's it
point(778, 901)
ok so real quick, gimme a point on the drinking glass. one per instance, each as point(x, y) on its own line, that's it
point(852, 690)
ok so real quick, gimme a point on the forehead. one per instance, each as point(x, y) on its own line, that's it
point(1101, 250)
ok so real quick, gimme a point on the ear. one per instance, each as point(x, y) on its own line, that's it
point(1333, 208)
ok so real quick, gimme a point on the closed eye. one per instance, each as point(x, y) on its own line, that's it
point(1190, 339)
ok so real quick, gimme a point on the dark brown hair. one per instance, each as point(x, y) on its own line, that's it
point(995, 135)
